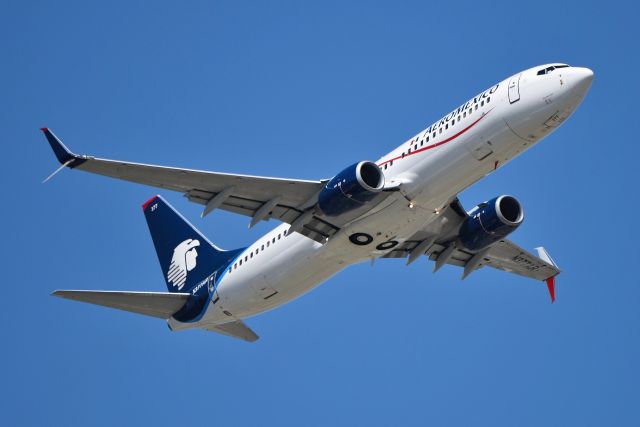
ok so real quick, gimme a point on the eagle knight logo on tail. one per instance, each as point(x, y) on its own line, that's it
point(183, 261)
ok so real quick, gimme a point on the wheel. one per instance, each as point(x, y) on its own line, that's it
point(360, 239)
point(386, 245)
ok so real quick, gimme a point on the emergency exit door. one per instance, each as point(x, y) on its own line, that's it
point(514, 89)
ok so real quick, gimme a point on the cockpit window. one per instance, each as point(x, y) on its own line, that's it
point(551, 68)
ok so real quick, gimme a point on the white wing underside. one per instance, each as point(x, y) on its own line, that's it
point(503, 255)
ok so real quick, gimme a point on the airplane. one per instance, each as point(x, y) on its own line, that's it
point(404, 205)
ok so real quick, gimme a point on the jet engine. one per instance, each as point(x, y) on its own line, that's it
point(490, 221)
point(351, 189)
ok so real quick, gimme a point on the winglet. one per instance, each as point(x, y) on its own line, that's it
point(62, 153)
point(551, 285)
point(551, 281)
point(544, 255)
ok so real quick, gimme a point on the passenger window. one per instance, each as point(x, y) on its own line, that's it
point(482, 104)
point(278, 237)
point(476, 106)
point(447, 126)
point(240, 262)
point(453, 122)
point(235, 265)
point(440, 130)
point(246, 258)
point(262, 248)
point(268, 241)
point(488, 99)
point(251, 255)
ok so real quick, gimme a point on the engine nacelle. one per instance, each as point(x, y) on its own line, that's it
point(490, 221)
point(351, 189)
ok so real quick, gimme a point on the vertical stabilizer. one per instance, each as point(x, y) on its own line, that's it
point(186, 256)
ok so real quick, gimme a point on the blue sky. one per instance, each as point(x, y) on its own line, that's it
point(302, 89)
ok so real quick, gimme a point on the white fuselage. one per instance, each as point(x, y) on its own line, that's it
point(432, 167)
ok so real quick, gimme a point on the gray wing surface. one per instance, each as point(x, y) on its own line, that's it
point(260, 198)
point(156, 304)
point(438, 241)
point(236, 329)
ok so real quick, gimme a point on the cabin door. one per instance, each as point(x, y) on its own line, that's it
point(514, 89)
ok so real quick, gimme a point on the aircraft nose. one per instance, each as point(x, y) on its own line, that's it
point(580, 80)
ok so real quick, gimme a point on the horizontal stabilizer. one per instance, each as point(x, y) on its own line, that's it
point(155, 304)
point(235, 329)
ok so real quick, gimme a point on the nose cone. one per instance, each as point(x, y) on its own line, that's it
point(580, 80)
point(549, 95)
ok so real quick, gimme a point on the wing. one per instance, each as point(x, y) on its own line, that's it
point(438, 241)
point(260, 198)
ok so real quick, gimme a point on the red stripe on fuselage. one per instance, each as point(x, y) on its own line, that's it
point(437, 144)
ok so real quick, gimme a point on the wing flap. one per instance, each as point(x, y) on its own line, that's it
point(155, 304)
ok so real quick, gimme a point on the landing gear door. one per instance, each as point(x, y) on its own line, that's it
point(514, 89)
point(480, 148)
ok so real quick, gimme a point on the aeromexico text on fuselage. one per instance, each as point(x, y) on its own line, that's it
point(467, 105)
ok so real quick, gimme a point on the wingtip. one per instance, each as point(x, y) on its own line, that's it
point(551, 286)
point(62, 153)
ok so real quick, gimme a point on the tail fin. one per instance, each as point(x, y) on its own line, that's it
point(186, 256)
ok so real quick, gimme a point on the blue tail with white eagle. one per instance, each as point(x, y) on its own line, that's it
point(186, 256)
point(191, 266)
